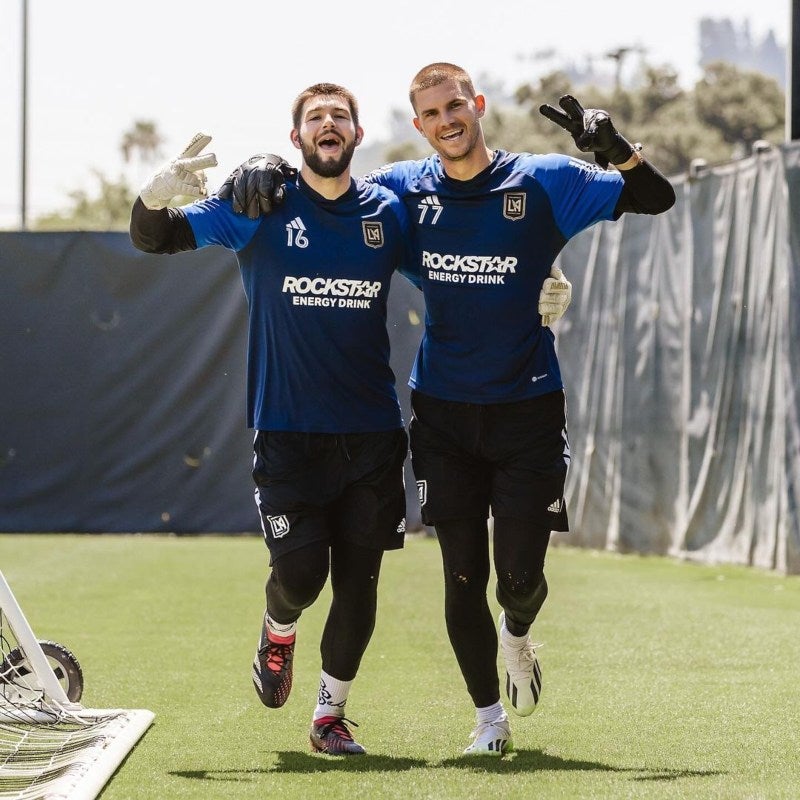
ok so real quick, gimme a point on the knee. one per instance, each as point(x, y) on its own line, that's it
point(297, 590)
point(523, 593)
point(464, 596)
point(460, 581)
point(303, 594)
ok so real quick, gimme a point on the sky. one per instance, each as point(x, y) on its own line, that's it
point(231, 69)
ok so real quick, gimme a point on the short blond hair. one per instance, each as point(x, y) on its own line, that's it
point(437, 73)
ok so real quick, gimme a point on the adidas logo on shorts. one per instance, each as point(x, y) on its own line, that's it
point(555, 506)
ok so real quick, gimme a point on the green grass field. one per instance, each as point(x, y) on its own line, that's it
point(661, 679)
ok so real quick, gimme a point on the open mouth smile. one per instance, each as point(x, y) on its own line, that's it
point(329, 143)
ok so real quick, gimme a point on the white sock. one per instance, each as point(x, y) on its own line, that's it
point(332, 696)
point(280, 629)
point(509, 640)
point(492, 713)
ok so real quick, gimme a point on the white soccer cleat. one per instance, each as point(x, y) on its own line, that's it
point(491, 739)
point(523, 673)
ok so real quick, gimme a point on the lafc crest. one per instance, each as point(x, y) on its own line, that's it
point(514, 205)
point(373, 233)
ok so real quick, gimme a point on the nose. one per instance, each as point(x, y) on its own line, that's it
point(449, 117)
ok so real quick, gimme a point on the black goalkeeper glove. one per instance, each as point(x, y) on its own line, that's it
point(592, 131)
point(257, 185)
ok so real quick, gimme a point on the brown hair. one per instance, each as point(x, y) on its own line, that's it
point(322, 89)
point(437, 73)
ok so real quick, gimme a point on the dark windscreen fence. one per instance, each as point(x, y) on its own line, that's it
point(123, 379)
point(680, 358)
point(123, 387)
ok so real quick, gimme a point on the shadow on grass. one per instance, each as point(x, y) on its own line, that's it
point(293, 761)
point(537, 760)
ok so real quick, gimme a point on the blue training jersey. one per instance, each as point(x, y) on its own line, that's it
point(316, 274)
point(484, 248)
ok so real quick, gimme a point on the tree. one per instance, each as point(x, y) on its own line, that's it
point(110, 208)
point(143, 138)
point(742, 105)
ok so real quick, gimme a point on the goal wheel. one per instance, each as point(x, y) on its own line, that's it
point(67, 670)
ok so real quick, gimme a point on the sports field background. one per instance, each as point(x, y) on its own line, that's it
point(662, 679)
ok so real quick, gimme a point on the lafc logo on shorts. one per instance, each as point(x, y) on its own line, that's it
point(514, 205)
point(422, 492)
point(373, 233)
point(279, 526)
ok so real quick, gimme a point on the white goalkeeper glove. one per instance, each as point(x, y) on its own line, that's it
point(182, 177)
point(555, 296)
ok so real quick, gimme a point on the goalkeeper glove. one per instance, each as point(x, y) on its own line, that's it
point(555, 296)
point(592, 131)
point(182, 177)
point(257, 185)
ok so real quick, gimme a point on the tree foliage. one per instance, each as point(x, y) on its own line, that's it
point(142, 140)
point(727, 111)
point(108, 210)
point(742, 106)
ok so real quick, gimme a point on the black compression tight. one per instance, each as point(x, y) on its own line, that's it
point(519, 551)
point(298, 577)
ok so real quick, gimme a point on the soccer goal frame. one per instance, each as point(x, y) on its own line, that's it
point(52, 746)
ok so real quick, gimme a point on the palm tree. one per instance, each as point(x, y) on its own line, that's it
point(143, 138)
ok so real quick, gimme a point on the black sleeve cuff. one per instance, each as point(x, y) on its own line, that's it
point(646, 191)
point(164, 231)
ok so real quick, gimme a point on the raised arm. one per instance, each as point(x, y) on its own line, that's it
point(646, 190)
point(156, 228)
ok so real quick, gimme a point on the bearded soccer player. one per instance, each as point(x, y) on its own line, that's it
point(329, 442)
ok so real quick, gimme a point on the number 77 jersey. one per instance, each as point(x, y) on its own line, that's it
point(483, 248)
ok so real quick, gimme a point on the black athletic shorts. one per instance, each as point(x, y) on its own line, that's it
point(507, 459)
point(313, 487)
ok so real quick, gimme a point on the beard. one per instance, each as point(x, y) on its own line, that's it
point(326, 167)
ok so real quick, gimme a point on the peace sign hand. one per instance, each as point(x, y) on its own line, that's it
point(591, 129)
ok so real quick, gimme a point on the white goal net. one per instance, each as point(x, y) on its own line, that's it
point(51, 746)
